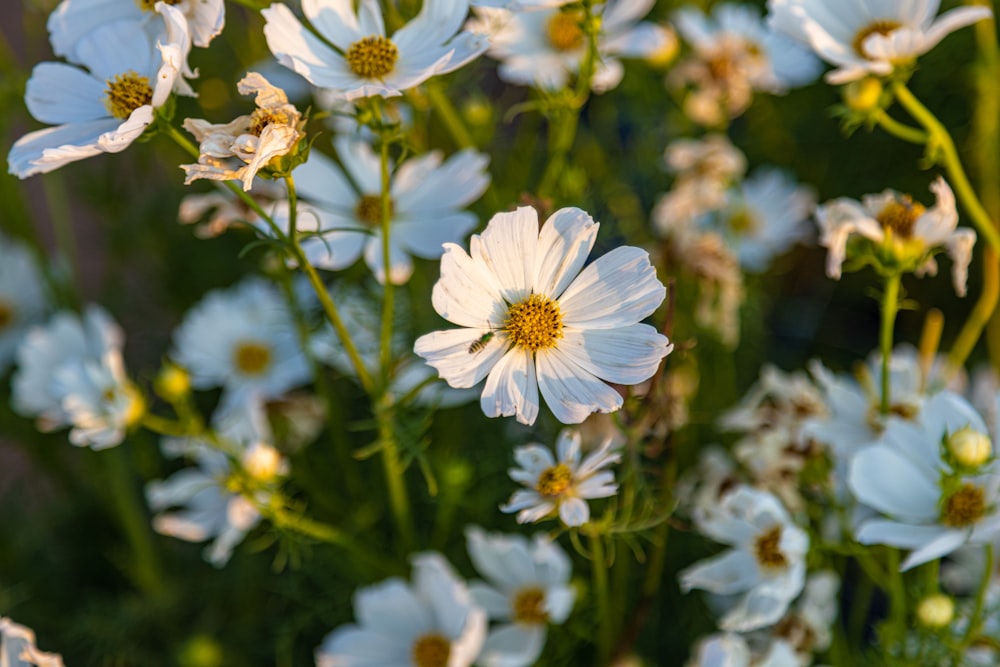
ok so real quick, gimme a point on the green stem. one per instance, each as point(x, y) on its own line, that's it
point(385, 347)
point(901, 130)
point(897, 595)
point(599, 573)
point(976, 620)
point(890, 304)
point(939, 138)
point(394, 475)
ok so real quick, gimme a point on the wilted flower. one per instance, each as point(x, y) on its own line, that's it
point(365, 61)
point(256, 141)
point(533, 320)
point(562, 485)
point(17, 648)
point(71, 373)
point(433, 621)
point(766, 564)
point(527, 588)
point(868, 38)
point(898, 233)
point(705, 171)
point(105, 109)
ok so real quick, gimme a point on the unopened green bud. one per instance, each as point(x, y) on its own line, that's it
point(969, 447)
point(863, 95)
point(936, 611)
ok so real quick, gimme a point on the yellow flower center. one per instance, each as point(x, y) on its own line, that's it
point(150, 5)
point(126, 93)
point(368, 210)
point(900, 215)
point(555, 480)
point(766, 548)
point(743, 222)
point(534, 323)
point(564, 31)
point(964, 507)
point(883, 27)
point(529, 606)
point(261, 118)
point(6, 314)
point(431, 650)
point(372, 57)
point(251, 358)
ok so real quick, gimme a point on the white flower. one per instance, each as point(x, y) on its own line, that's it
point(71, 373)
point(532, 320)
point(862, 38)
point(766, 216)
point(254, 140)
point(341, 223)
point(242, 339)
point(17, 647)
point(211, 499)
point(562, 485)
point(545, 47)
point(735, 54)
point(74, 20)
point(933, 509)
point(527, 588)
point(910, 232)
point(215, 212)
point(807, 627)
point(732, 650)
point(22, 296)
point(365, 61)
point(105, 109)
point(766, 564)
point(432, 622)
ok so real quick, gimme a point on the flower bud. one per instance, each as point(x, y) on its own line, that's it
point(263, 462)
point(863, 95)
point(969, 447)
point(663, 56)
point(172, 382)
point(936, 611)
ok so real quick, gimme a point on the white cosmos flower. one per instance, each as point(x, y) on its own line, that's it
point(73, 20)
point(210, 500)
point(909, 232)
point(562, 485)
point(545, 47)
point(533, 320)
point(871, 36)
point(23, 301)
point(244, 340)
point(426, 195)
point(432, 622)
point(732, 650)
point(766, 566)
point(70, 373)
point(931, 506)
point(365, 61)
point(767, 214)
point(527, 588)
point(105, 109)
point(249, 142)
point(17, 647)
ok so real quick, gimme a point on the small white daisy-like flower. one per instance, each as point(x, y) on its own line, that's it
point(251, 141)
point(705, 171)
point(729, 649)
point(364, 61)
point(734, 55)
point(215, 498)
point(766, 564)
point(17, 647)
point(105, 109)
point(426, 197)
point(560, 485)
point(862, 38)
point(244, 340)
point(527, 588)
point(533, 320)
point(70, 373)
point(23, 301)
point(73, 20)
point(808, 626)
point(433, 622)
point(545, 47)
point(767, 214)
point(934, 504)
point(906, 230)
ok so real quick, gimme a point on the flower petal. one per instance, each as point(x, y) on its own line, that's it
point(571, 392)
point(511, 388)
point(617, 289)
point(564, 243)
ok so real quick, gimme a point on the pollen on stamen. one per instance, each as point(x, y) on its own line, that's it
point(767, 549)
point(883, 27)
point(900, 215)
point(964, 507)
point(261, 118)
point(372, 57)
point(534, 323)
point(529, 606)
point(368, 210)
point(564, 31)
point(554, 480)
point(126, 93)
point(431, 650)
point(251, 358)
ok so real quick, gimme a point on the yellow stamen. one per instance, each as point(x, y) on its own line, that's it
point(372, 57)
point(431, 650)
point(529, 606)
point(767, 549)
point(150, 5)
point(900, 215)
point(126, 93)
point(368, 210)
point(564, 31)
point(555, 480)
point(964, 507)
point(251, 358)
point(261, 118)
point(534, 323)
point(6, 314)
